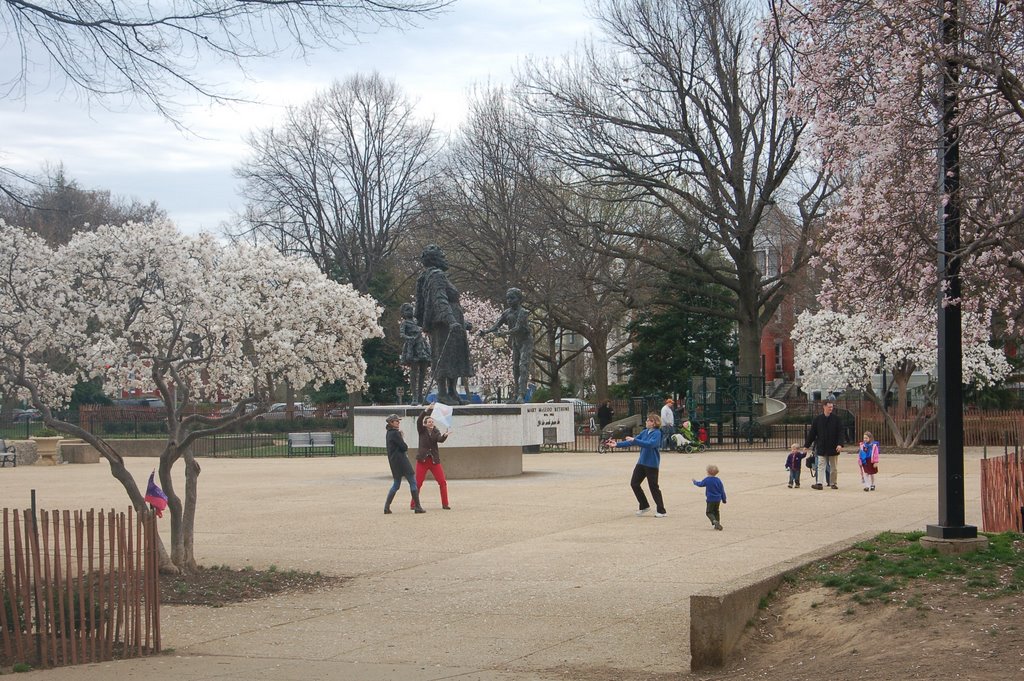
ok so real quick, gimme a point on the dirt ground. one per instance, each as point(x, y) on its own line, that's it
point(938, 631)
point(218, 586)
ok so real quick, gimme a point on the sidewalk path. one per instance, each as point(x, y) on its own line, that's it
point(549, 575)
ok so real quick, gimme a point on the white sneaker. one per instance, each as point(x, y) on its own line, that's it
point(660, 515)
point(644, 511)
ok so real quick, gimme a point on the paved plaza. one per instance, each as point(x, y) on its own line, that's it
point(525, 578)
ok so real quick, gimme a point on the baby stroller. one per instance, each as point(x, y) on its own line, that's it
point(686, 441)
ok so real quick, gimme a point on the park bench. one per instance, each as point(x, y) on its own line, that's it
point(7, 454)
point(310, 443)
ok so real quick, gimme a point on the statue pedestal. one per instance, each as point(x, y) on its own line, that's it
point(486, 440)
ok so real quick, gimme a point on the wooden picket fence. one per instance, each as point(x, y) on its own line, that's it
point(78, 587)
point(989, 428)
point(1002, 493)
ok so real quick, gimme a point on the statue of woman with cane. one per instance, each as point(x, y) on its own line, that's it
point(439, 314)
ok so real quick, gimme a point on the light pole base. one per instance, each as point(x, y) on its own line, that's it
point(951, 531)
point(955, 546)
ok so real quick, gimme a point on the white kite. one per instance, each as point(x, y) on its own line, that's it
point(442, 414)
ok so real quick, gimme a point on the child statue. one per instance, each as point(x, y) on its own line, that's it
point(415, 351)
point(520, 338)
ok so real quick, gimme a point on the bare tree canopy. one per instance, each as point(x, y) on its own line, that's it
point(483, 203)
point(338, 181)
point(500, 210)
point(686, 110)
point(153, 51)
point(56, 207)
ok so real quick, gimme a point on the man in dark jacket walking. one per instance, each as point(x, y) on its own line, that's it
point(826, 434)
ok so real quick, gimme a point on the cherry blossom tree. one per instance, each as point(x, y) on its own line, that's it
point(836, 351)
point(869, 87)
point(144, 306)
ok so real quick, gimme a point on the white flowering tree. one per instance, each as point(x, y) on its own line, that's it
point(837, 351)
point(869, 72)
point(144, 306)
point(491, 354)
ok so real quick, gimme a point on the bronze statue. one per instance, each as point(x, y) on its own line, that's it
point(439, 314)
point(520, 338)
point(415, 351)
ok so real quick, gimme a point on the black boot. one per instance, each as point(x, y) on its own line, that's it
point(387, 504)
point(416, 502)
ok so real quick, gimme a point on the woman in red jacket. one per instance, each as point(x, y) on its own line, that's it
point(427, 457)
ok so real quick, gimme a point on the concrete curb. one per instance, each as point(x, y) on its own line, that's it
point(719, 616)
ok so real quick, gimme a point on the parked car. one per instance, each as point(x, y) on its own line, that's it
point(23, 415)
point(279, 410)
point(337, 413)
point(580, 406)
point(227, 410)
point(140, 403)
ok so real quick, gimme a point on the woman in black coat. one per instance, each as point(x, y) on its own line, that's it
point(398, 458)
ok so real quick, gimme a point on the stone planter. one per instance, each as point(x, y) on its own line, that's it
point(47, 449)
point(27, 454)
point(78, 451)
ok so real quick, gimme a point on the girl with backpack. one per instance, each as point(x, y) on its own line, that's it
point(868, 461)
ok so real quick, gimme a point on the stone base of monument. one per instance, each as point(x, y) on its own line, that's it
point(485, 440)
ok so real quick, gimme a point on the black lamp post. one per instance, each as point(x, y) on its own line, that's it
point(950, 361)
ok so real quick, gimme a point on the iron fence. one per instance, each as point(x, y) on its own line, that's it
point(263, 445)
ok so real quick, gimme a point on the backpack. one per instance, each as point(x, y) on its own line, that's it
point(874, 452)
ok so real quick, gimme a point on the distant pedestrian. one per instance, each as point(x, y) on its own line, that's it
point(427, 456)
point(646, 466)
point(605, 415)
point(398, 459)
point(827, 434)
point(668, 422)
point(793, 464)
point(868, 461)
point(714, 493)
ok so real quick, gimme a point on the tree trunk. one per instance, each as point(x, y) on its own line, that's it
point(192, 470)
point(555, 359)
point(174, 508)
point(599, 352)
point(749, 340)
point(901, 379)
point(911, 435)
point(121, 474)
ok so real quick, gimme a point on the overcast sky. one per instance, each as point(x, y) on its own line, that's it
point(137, 154)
